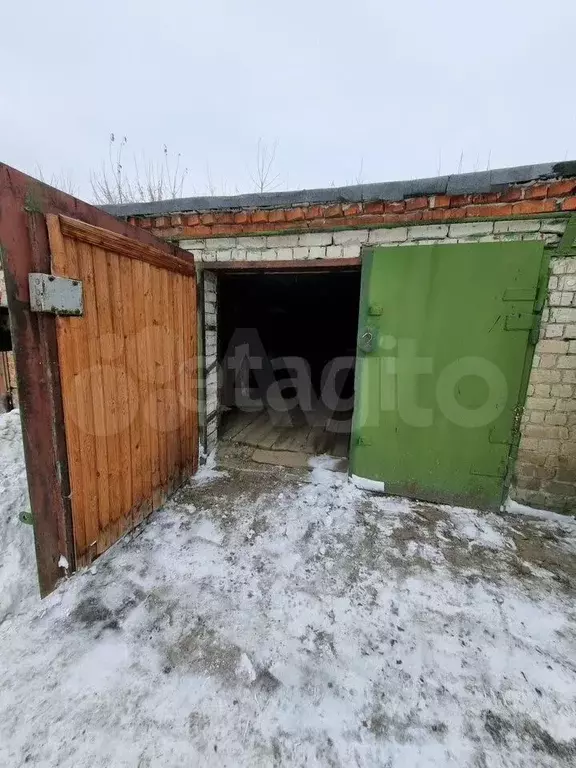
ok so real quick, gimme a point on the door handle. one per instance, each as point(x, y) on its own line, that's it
point(367, 340)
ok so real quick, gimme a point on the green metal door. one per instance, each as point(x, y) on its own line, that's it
point(445, 340)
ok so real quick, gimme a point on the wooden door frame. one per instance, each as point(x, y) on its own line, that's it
point(24, 248)
point(279, 266)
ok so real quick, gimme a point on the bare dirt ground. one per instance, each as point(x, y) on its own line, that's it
point(269, 617)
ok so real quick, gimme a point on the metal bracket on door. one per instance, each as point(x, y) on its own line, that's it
point(55, 295)
point(498, 471)
point(524, 321)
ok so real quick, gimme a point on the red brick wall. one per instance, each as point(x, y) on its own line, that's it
point(517, 200)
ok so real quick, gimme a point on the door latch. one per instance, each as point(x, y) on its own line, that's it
point(367, 340)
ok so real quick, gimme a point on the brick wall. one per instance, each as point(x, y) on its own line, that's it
point(512, 201)
point(546, 468)
point(348, 243)
point(210, 362)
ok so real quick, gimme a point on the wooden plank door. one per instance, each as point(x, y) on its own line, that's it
point(107, 400)
point(128, 377)
point(446, 333)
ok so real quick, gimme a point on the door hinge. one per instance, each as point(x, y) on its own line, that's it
point(516, 424)
point(524, 321)
point(534, 334)
point(55, 295)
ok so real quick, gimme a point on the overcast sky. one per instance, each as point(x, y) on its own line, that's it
point(403, 88)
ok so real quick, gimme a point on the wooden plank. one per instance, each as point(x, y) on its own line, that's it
point(269, 438)
point(132, 387)
point(177, 325)
point(262, 433)
point(129, 369)
point(127, 246)
point(70, 352)
point(83, 481)
point(239, 420)
point(121, 308)
point(169, 395)
point(254, 426)
point(141, 427)
point(151, 413)
point(104, 333)
point(186, 430)
point(158, 425)
point(94, 481)
point(162, 367)
point(298, 440)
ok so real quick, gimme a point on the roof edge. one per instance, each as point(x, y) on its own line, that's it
point(480, 182)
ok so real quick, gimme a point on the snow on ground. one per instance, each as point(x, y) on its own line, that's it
point(18, 581)
point(275, 618)
point(209, 470)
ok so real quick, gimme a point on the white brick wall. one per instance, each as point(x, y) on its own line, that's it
point(347, 244)
point(546, 466)
point(210, 359)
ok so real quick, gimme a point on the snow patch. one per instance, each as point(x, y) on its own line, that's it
point(475, 528)
point(394, 504)
point(207, 473)
point(521, 509)
point(99, 668)
point(324, 471)
point(245, 670)
point(207, 530)
point(18, 579)
point(367, 484)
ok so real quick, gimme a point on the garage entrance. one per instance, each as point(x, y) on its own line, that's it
point(286, 350)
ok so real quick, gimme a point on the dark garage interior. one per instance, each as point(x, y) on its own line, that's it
point(267, 320)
